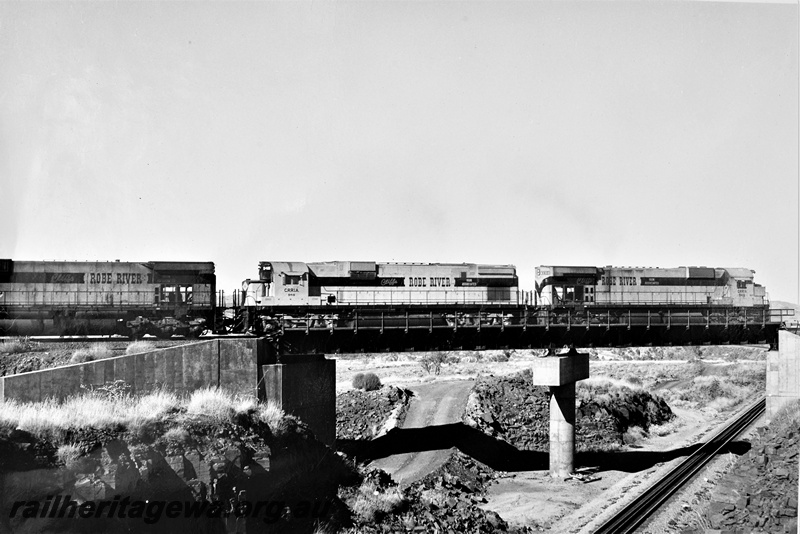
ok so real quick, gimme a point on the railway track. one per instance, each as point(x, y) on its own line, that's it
point(637, 512)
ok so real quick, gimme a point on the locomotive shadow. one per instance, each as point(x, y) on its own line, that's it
point(495, 453)
point(502, 456)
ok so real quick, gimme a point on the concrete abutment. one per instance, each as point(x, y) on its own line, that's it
point(783, 373)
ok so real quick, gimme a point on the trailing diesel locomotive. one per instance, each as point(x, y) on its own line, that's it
point(330, 294)
point(97, 298)
point(296, 285)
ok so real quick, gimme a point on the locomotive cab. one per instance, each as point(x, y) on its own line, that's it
point(566, 286)
point(279, 283)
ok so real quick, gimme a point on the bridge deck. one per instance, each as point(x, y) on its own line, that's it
point(376, 331)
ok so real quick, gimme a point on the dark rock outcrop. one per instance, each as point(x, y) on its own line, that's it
point(362, 414)
point(513, 409)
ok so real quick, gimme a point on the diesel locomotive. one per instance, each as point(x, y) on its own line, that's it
point(649, 295)
point(106, 298)
point(595, 287)
point(296, 285)
point(342, 293)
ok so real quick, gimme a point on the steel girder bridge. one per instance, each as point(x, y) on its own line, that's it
point(381, 330)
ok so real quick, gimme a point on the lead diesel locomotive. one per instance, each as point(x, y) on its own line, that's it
point(80, 298)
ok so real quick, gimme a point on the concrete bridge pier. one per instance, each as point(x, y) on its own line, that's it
point(561, 373)
point(562, 430)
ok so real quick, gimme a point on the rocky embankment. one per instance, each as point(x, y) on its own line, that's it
point(362, 415)
point(513, 409)
point(194, 473)
point(447, 500)
point(759, 493)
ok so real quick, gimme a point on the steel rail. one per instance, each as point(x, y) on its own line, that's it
point(640, 509)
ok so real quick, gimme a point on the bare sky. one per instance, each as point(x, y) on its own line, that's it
point(574, 133)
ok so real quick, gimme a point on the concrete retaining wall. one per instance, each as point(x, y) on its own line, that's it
point(783, 373)
point(305, 387)
point(231, 364)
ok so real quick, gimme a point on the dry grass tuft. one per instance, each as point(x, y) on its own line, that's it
point(372, 503)
point(245, 405)
point(98, 351)
point(152, 407)
point(137, 347)
point(52, 420)
point(69, 454)
point(212, 402)
point(270, 414)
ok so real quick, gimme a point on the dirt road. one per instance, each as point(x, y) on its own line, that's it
point(434, 404)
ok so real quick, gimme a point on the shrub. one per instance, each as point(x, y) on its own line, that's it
point(366, 381)
point(497, 357)
point(451, 358)
point(69, 454)
point(633, 379)
point(81, 356)
point(17, 345)
point(633, 436)
point(432, 362)
point(664, 429)
point(176, 435)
